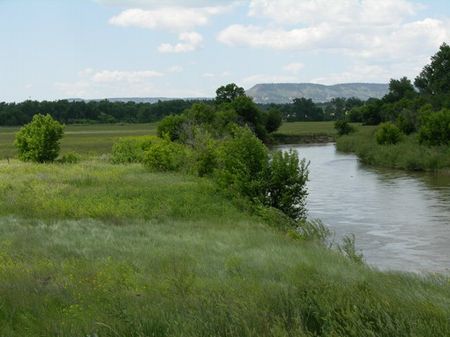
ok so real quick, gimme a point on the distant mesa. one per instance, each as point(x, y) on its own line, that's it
point(286, 92)
point(281, 93)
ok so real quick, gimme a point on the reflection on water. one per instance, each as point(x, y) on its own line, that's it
point(401, 221)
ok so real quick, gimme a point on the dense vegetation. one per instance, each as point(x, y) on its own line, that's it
point(81, 112)
point(414, 133)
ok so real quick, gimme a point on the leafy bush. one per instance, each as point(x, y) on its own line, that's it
point(70, 158)
point(165, 156)
point(205, 153)
point(407, 121)
point(38, 141)
point(388, 133)
point(273, 120)
point(131, 149)
point(286, 184)
point(243, 161)
point(343, 127)
point(172, 127)
point(435, 129)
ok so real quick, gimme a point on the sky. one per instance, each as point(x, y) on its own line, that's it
point(53, 49)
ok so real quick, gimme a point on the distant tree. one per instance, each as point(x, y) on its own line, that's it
point(343, 127)
point(273, 120)
point(303, 109)
point(38, 141)
point(228, 93)
point(435, 77)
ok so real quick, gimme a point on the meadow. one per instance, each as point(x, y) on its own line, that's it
point(96, 249)
point(91, 139)
point(97, 139)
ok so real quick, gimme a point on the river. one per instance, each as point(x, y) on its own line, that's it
point(401, 220)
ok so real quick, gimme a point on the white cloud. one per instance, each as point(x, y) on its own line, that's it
point(94, 84)
point(170, 18)
point(294, 67)
point(165, 3)
point(175, 69)
point(339, 11)
point(188, 42)
point(216, 75)
point(278, 38)
point(106, 76)
point(365, 31)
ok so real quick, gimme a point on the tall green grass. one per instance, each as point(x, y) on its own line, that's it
point(95, 249)
point(408, 154)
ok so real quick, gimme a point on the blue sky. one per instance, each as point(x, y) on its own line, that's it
point(52, 49)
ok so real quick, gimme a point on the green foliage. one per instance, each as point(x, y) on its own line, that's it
point(70, 158)
point(205, 153)
point(409, 154)
point(388, 134)
point(435, 129)
point(407, 121)
point(286, 184)
point(435, 77)
point(172, 127)
point(399, 89)
point(243, 161)
point(273, 120)
point(343, 127)
point(165, 155)
point(38, 141)
point(228, 93)
point(131, 149)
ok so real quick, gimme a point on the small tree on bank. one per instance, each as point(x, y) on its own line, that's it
point(38, 141)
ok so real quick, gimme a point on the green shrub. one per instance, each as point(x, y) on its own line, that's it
point(286, 184)
point(343, 127)
point(70, 158)
point(131, 149)
point(172, 127)
point(435, 129)
point(243, 162)
point(205, 153)
point(165, 156)
point(273, 120)
point(38, 141)
point(407, 121)
point(388, 133)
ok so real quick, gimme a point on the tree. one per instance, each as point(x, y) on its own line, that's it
point(38, 141)
point(228, 93)
point(435, 77)
point(273, 120)
point(399, 89)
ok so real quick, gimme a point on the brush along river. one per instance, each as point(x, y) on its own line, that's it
point(401, 220)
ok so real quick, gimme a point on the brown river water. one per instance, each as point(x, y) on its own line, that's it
point(401, 220)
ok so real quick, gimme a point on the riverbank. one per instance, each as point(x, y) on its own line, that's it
point(305, 133)
point(408, 154)
point(113, 250)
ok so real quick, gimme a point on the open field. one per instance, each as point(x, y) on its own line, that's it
point(84, 139)
point(96, 249)
point(98, 138)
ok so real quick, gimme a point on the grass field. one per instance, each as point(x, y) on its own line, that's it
point(95, 249)
point(98, 138)
point(307, 128)
point(84, 139)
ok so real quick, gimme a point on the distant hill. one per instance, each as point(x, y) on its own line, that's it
point(286, 92)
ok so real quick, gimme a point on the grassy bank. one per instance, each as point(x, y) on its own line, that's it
point(408, 154)
point(94, 249)
point(306, 132)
